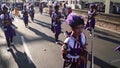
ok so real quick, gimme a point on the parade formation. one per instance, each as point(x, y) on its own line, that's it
point(74, 49)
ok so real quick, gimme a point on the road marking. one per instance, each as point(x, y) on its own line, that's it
point(27, 50)
point(108, 29)
point(117, 60)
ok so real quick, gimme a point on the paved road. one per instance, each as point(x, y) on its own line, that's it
point(35, 47)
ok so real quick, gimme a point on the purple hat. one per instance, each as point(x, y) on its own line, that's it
point(92, 5)
point(73, 20)
point(56, 5)
point(4, 6)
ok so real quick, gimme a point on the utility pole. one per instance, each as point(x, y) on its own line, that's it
point(107, 7)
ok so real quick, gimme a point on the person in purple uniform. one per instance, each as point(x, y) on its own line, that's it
point(25, 15)
point(8, 27)
point(31, 11)
point(64, 11)
point(91, 17)
point(41, 7)
point(56, 22)
point(74, 49)
point(50, 10)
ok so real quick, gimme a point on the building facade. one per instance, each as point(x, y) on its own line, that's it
point(110, 6)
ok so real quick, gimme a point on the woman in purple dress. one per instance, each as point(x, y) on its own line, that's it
point(41, 7)
point(31, 12)
point(8, 27)
point(25, 15)
point(91, 17)
point(56, 22)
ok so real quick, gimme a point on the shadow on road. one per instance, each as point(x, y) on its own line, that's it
point(106, 33)
point(101, 63)
point(107, 36)
point(43, 35)
point(22, 60)
point(44, 24)
point(108, 39)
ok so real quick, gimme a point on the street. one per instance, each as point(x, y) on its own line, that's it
point(35, 46)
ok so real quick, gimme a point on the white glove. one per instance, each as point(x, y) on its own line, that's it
point(74, 57)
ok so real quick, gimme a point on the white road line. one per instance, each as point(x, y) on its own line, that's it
point(27, 50)
point(117, 60)
point(108, 29)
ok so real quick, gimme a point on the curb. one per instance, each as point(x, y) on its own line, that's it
point(108, 29)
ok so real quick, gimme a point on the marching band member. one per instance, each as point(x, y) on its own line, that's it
point(50, 10)
point(41, 7)
point(31, 12)
point(74, 48)
point(8, 27)
point(91, 18)
point(16, 11)
point(56, 22)
point(25, 15)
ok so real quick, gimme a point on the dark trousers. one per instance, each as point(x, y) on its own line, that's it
point(56, 37)
point(72, 65)
point(32, 16)
point(26, 22)
point(9, 41)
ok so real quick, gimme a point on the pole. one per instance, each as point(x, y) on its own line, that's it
point(92, 49)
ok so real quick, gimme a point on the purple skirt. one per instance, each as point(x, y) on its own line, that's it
point(9, 32)
point(25, 19)
point(58, 28)
point(92, 24)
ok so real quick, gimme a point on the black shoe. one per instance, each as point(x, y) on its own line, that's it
point(9, 48)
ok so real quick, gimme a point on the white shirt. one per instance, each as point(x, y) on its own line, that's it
point(2, 16)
